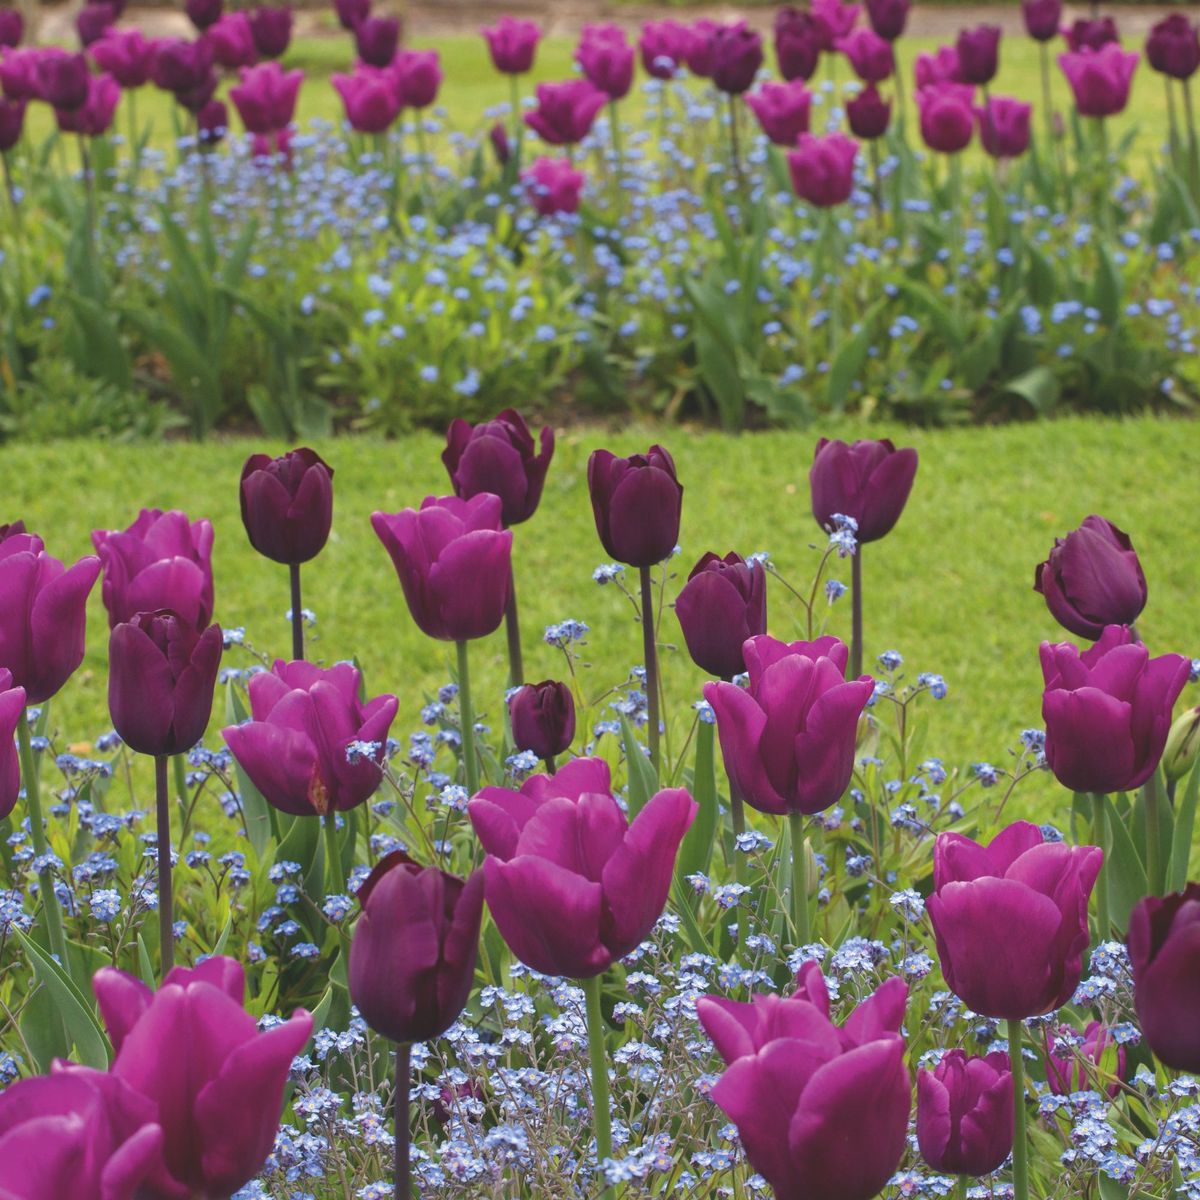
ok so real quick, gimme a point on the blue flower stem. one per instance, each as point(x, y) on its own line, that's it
point(467, 721)
point(166, 902)
point(598, 1056)
point(33, 799)
point(650, 651)
point(799, 879)
point(1152, 798)
point(856, 613)
point(737, 814)
point(1100, 838)
point(512, 630)
point(333, 868)
point(403, 1169)
point(297, 613)
point(1020, 1141)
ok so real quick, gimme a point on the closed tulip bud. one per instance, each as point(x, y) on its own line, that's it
point(499, 456)
point(782, 110)
point(1011, 919)
point(416, 76)
point(287, 504)
point(571, 884)
point(1092, 578)
point(126, 56)
point(93, 21)
point(180, 66)
point(12, 27)
point(1173, 47)
point(312, 744)
point(869, 55)
point(1068, 1056)
point(412, 957)
point(43, 611)
point(512, 44)
point(62, 79)
point(797, 43)
point(1183, 743)
point(1004, 126)
point(370, 99)
point(542, 716)
point(978, 54)
point(377, 40)
point(965, 1113)
point(1164, 951)
point(266, 98)
point(350, 12)
point(218, 1093)
point(501, 146)
point(232, 42)
point(606, 59)
point(834, 19)
point(888, 17)
point(1100, 79)
point(12, 713)
point(203, 13)
point(12, 122)
point(822, 168)
point(663, 46)
point(867, 480)
point(212, 122)
point(19, 75)
point(454, 563)
point(869, 113)
point(565, 112)
point(636, 502)
point(737, 56)
point(1093, 33)
point(1042, 18)
point(947, 116)
point(271, 29)
point(723, 603)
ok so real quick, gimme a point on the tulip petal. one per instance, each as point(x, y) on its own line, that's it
point(740, 726)
point(123, 999)
point(281, 763)
point(1089, 740)
point(882, 1012)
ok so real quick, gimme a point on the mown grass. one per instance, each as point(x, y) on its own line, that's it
point(950, 588)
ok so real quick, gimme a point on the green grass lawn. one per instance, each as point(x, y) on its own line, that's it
point(950, 588)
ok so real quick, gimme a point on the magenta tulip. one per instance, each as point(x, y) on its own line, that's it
point(834, 19)
point(888, 17)
point(1173, 47)
point(663, 46)
point(417, 77)
point(947, 116)
point(869, 480)
point(12, 27)
point(12, 122)
point(62, 78)
point(940, 67)
point(636, 502)
point(553, 186)
point(965, 1113)
point(782, 110)
point(737, 55)
point(181, 67)
point(869, 55)
point(822, 168)
point(369, 98)
point(798, 41)
point(377, 39)
point(978, 54)
point(126, 55)
point(869, 114)
point(266, 97)
point(12, 713)
point(565, 112)
point(92, 22)
point(19, 74)
point(1004, 126)
point(350, 12)
point(723, 603)
point(1091, 33)
point(287, 504)
point(204, 14)
point(606, 59)
point(212, 122)
point(271, 29)
point(232, 42)
point(512, 44)
point(1042, 18)
point(1100, 79)
point(94, 117)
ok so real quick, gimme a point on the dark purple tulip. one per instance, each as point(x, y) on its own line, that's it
point(869, 114)
point(834, 20)
point(737, 56)
point(19, 74)
point(663, 46)
point(512, 44)
point(867, 480)
point(797, 43)
point(412, 957)
point(218, 1092)
point(1091, 33)
point(1108, 711)
point(888, 17)
point(126, 55)
point(12, 713)
point(978, 54)
point(271, 29)
point(454, 562)
point(417, 76)
point(788, 739)
point(295, 747)
point(1004, 126)
point(93, 21)
point(637, 503)
point(542, 716)
point(161, 675)
point(1066, 1073)
point(1042, 18)
point(565, 112)
point(163, 560)
point(369, 97)
point(1173, 47)
point(699, 53)
point(182, 67)
point(869, 55)
point(1164, 950)
point(782, 110)
point(62, 78)
point(204, 13)
point(232, 42)
point(822, 168)
point(501, 146)
point(606, 59)
point(42, 615)
point(212, 122)
point(1092, 578)
point(350, 12)
point(1011, 919)
point(965, 1113)
point(78, 1133)
point(499, 456)
point(571, 884)
point(723, 603)
point(94, 117)
point(12, 27)
point(287, 504)
point(12, 121)
point(553, 186)
point(377, 40)
point(1100, 79)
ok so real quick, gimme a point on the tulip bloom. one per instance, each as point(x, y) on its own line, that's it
point(869, 114)
point(978, 54)
point(499, 456)
point(636, 502)
point(1065, 1073)
point(350, 12)
point(412, 957)
point(571, 884)
point(297, 746)
point(947, 116)
point(1108, 711)
point(553, 186)
point(417, 77)
point(287, 504)
point(62, 78)
point(663, 46)
point(797, 43)
point(1093, 33)
point(19, 76)
point(1010, 919)
point(822, 168)
point(867, 480)
point(1004, 126)
point(182, 67)
point(512, 44)
point(965, 1113)
point(94, 117)
point(869, 54)
point(42, 615)
point(723, 603)
point(12, 122)
point(212, 123)
point(542, 716)
point(939, 67)
point(565, 112)
point(1164, 951)
point(606, 59)
point(12, 713)
point(1042, 18)
point(162, 560)
point(92, 22)
point(1173, 47)
point(782, 110)
point(125, 55)
point(377, 39)
point(203, 13)
point(12, 27)
point(271, 29)
point(1100, 79)
point(737, 55)
point(370, 99)
point(218, 1092)
point(1092, 578)
point(232, 42)
point(266, 97)
point(888, 17)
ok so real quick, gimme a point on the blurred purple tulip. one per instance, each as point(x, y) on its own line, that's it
point(737, 56)
point(869, 55)
point(12, 122)
point(287, 504)
point(126, 55)
point(266, 97)
point(499, 456)
point(63, 79)
point(501, 146)
point(947, 116)
point(1100, 79)
point(965, 1113)
point(180, 67)
point(1067, 1055)
point(723, 603)
point(542, 716)
point(782, 110)
point(212, 122)
point(94, 117)
point(868, 113)
point(1004, 126)
point(12, 713)
point(232, 42)
point(370, 99)
point(93, 21)
point(417, 77)
point(834, 20)
point(636, 502)
point(377, 39)
point(565, 112)
point(798, 42)
point(700, 48)
point(1091, 33)
point(1173, 47)
point(1042, 18)
point(553, 186)
point(663, 46)
point(606, 59)
point(350, 12)
point(271, 29)
point(942, 66)
point(868, 480)
point(203, 14)
point(822, 168)
point(888, 17)
point(978, 54)
point(19, 74)
point(12, 27)
point(512, 44)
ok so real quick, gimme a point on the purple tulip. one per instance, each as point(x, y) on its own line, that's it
point(350, 12)
point(19, 76)
point(1068, 1053)
point(62, 78)
point(978, 54)
point(42, 615)
point(266, 97)
point(79, 1133)
point(93, 21)
point(1091, 33)
point(553, 186)
point(1042, 18)
point(636, 502)
point(606, 59)
point(417, 77)
point(1164, 951)
point(542, 716)
point(1011, 920)
point(1004, 126)
point(663, 46)
point(797, 43)
point(788, 739)
point(12, 27)
point(723, 603)
point(370, 99)
point(94, 117)
point(203, 14)
point(565, 112)
point(1173, 47)
point(868, 113)
point(782, 110)
point(232, 42)
point(377, 40)
point(821, 1111)
point(869, 55)
point(888, 17)
point(12, 713)
point(182, 67)
point(571, 884)
point(126, 55)
point(1092, 578)
point(212, 122)
point(512, 44)
point(219, 1090)
point(1100, 79)
point(737, 56)
point(499, 456)
point(501, 146)
point(699, 54)
point(296, 748)
point(867, 480)
point(940, 67)
point(12, 122)
point(965, 1113)
point(834, 20)
point(822, 168)
point(162, 560)
point(947, 116)
point(412, 958)
point(1108, 711)
point(287, 504)
point(454, 562)
point(271, 29)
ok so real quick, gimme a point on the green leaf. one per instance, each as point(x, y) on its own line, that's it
point(145, 963)
point(1126, 875)
point(643, 782)
point(221, 942)
point(683, 905)
point(1106, 287)
point(1185, 823)
point(945, 321)
point(1039, 388)
point(849, 359)
point(696, 851)
point(77, 1014)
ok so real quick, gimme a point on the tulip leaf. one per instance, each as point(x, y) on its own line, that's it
point(1185, 823)
point(849, 359)
point(219, 948)
point(696, 851)
point(1127, 882)
point(77, 1014)
point(643, 782)
point(42, 1029)
point(683, 905)
point(145, 964)
point(256, 812)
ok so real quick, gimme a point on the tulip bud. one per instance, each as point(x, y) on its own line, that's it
point(543, 718)
point(287, 504)
point(867, 480)
point(965, 1113)
point(636, 502)
point(737, 55)
point(271, 29)
point(606, 59)
point(499, 456)
point(12, 26)
point(1183, 743)
point(203, 13)
point(723, 603)
point(377, 39)
point(512, 44)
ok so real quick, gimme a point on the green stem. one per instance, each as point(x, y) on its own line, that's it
point(960, 1187)
point(799, 879)
point(615, 123)
point(1100, 838)
point(166, 898)
point(403, 1170)
point(33, 798)
point(1020, 1143)
point(598, 1056)
point(333, 852)
point(1153, 833)
point(650, 653)
point(737, 814)
point(467, 721)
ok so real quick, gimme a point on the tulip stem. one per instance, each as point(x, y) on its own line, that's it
point(1020, 1142)
point(512, 630)
point(467, 721)
point(960, 1187)
point(333, 852)
point(33, 799)
point(166, 906)
point(799, 879)
point(598, 1055)
point(297, 613)
point(1100, 837)
point(650, 651)
point(401, 1116)
point(856, 613)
